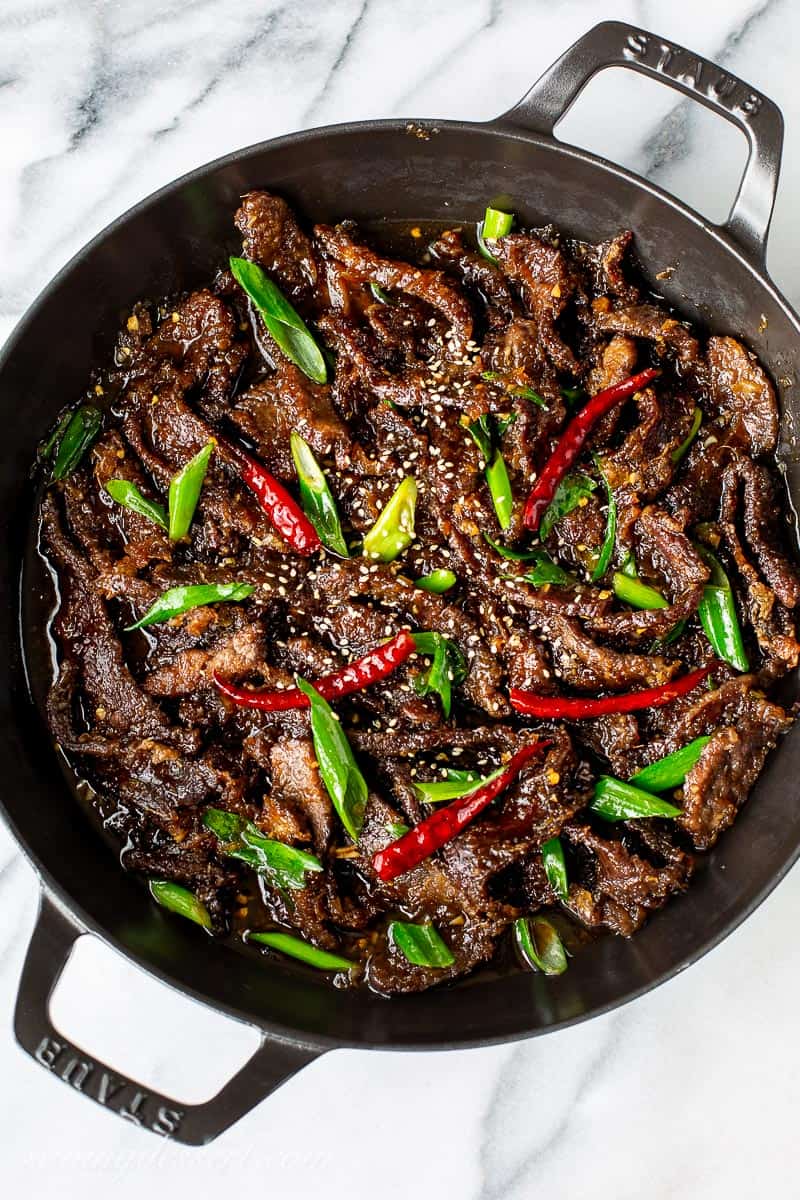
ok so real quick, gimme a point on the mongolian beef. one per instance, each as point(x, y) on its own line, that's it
point(411, 609)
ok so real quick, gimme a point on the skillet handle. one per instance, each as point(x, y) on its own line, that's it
point(617, 44)
point(193, 1124)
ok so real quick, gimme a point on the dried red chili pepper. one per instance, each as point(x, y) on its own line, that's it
point(282, 509)
point(432, 833)
point(373, 667)
point(576, 707)
point(571, 443)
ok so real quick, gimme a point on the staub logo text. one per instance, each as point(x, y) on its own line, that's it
point(685, 68)
point(119, 1095)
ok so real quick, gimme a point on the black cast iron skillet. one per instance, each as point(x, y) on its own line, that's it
point(175, 239)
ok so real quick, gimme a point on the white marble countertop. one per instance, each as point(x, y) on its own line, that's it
point(691, 1092)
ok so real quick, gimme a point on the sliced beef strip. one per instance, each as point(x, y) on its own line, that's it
point(426, 611)
point(479, 275)
point(623, 887)
point(720, 781)
point(547, 282)
point(736, 702)
point(365, 266)
point(604, 265)
point(586, 665)
point(771, 621)
point(94, 654)
point(654, 325)
point(742, 396)
point(753, 487)
point(235, 654)
point(285, 403)
point(273, 238)
point(663, 549)
point(296, 780)
point(642, 466)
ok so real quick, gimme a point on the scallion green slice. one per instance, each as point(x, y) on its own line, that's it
point(184, 492)
point(393, 532)
point(296, 947)
point(287, 327)
point(180, 900)
point(420, 945)
point(338, 768)
point(83, 428)
point(540, 945)
point(317, 498)
point(128, 495)
point(437, 581)
point(636, 593)
point(618, 801)
point(555, 867)
point(495, 224)
point(180, 599)
point(670, 771)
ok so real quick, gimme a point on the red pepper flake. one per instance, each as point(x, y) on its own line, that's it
point(373, 667)
point(576, 707)
point(432, 833)
point(571, 443)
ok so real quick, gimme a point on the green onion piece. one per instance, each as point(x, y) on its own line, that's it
point(500, 490)
point(295, 947)
point(555, 867)
point(449, 667)
point(573, 394)
point(495, 224)
point(670, 772)
point(56, 436)
point(181, 901)
point(284, 866)
point(607, 548)
point(540, 945)
point(718, 616)
point(528, 393)
point(437, 581)
point(340, 773)
point(570, 492)
point(521, 390)
point(679, 451)
point(184, 492)
point(513, 555)
point(484, 433)
point(629, 566)
point(544, 571)
point(618, 801)
point(128, 495)
point(179, 600)
point(316, 497)
point(397, 829)
point(285, 324)
point(83, 428)
point(380, 295)
point(458, 783)
point(393, 532)
point(420, 945)
point(636, 593)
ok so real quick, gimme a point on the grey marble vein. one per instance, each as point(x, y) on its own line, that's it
point(528, 1081)
point(672, 141)
point(348, 42)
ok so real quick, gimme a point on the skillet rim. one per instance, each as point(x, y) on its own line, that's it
point(54, 891)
